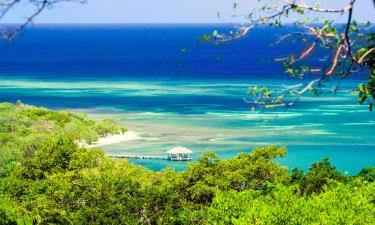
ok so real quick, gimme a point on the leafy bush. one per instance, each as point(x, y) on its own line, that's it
point(368, 174)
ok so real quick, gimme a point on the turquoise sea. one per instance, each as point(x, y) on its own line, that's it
point(173, 90)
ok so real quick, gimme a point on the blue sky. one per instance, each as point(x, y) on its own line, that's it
point(162, 11)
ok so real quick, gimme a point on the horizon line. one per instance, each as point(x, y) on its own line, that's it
point(154, 23)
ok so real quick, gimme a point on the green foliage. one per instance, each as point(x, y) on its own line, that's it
point(59, 154)
point(246, 171)
point(264, 96)
point(345, 204)
point(368, 174)
point(23, 128)
point(345, 48)
point(318, 177)
point(10, 214)
point(108, 126)
point(366, 92)
point(205, 37)
point(46, 178)
point(269, 152)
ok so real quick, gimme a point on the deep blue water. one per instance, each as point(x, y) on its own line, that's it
point(140, 51)
point(173, 89)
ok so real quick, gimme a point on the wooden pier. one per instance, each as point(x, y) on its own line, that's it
point(176, 154)
point(137, 157)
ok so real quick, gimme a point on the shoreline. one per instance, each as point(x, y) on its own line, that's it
point(112, 139)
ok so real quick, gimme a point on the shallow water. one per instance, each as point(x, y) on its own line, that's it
point(139, 76)
point(210, 116)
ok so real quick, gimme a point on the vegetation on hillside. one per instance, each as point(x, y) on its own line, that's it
point(46, 178)
point(23, 128)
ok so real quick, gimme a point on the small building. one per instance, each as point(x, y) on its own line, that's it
point(180, 154)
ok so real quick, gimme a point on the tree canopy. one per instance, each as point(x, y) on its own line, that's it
point(47, 178)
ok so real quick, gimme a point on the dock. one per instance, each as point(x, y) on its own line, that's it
point(148, 157)
point(137, 157)
point(176, 154)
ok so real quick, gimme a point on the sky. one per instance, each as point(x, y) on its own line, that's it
point(162, 11)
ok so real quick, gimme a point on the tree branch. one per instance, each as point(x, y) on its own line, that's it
point(40, 5)
point(321, 10)
point(363, 57)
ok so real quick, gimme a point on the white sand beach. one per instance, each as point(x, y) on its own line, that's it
point(113, 139)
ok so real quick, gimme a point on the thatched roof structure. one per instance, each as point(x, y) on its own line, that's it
point(180, 150)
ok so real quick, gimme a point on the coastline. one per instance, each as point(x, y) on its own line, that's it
point(112, 139)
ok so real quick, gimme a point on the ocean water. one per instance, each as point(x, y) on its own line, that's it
point(164, 83)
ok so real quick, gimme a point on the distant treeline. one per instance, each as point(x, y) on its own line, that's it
point(47, 178)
